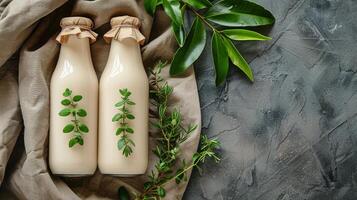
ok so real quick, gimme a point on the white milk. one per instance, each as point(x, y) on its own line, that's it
point(75, 71)
point(124, 69)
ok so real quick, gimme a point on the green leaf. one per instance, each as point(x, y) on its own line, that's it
point(117, 117)
point(129, 130)
point(243, 35)
point(68, 128)
point(161, 192)
point(67, 92)
point(82, 113)
point(121, 143)
point(123, 92)
point(73, 142)
point(237, 59)
point(220, 58)
point(65, 102)
point(179, 32)
point(119, 130)
point(234, 13)
point(191, 50)
point(130, 116)
point(173, 10)
point(80, 140)
point(123, 193)
point(130, 103)
point(83, 128)
point(65, 112)
point(127, 151)
point(119, 104)
point(198, 4)
point(150, 6)
point(77, 98)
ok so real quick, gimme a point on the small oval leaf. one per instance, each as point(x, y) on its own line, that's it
point(77, 98)
point(220, 58)
point(161, 192)
point(244, 35)
point(68, 128)
point(67, 92)
point(83, 128)
point(65, 112)
point(81, 112)
point(65, 102)
point(191, 50)
point(121, 143)
point(73, 142)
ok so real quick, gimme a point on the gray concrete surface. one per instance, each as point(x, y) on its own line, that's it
point(292, 134)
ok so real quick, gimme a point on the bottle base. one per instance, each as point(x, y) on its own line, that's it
point(73, 175)
point(124, 175)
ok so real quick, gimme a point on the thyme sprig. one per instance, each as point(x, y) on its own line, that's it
point(172, 134)
point(77, 127)
point(124, 143)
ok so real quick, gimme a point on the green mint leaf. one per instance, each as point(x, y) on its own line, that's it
point(80, 140)
point(121, 143)
point(73, 142)
point(130, 116)
point(117, 117)
point(127, 151)
point(220, 58)
point(243, 35)
point(147, 185)
point(77, 98)
point(119, 104)
point(130, 103)
point(81, 112)
point(119, 130)
point(83, 128)
point(123, 92)
point(129, 130)
point(123, 193)
point(65, 102)
point(67, 92)
point(65, 112)
point(68, 128)
point(191, 50)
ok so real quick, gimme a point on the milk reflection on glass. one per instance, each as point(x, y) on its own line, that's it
point(75, 71)
point(124, 69)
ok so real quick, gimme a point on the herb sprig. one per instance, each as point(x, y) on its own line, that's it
point(76, 126)
point(171, 134)
point(225, 18)
point(125, 144)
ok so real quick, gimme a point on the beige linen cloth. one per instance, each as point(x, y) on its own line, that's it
point(28, 55)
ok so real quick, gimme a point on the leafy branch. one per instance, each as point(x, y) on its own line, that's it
point(77, 127)
point(225, 18)
point(124, 143)
point(171, 134)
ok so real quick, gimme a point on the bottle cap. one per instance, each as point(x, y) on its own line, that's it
point(80, 26)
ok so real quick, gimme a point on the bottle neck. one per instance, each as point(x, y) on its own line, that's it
point(77, 51)
point(124, 53)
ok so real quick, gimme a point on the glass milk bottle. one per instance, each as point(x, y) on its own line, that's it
point(123, 102)
point(74, 102)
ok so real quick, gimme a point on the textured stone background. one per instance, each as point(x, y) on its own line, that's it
point(291, 134)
